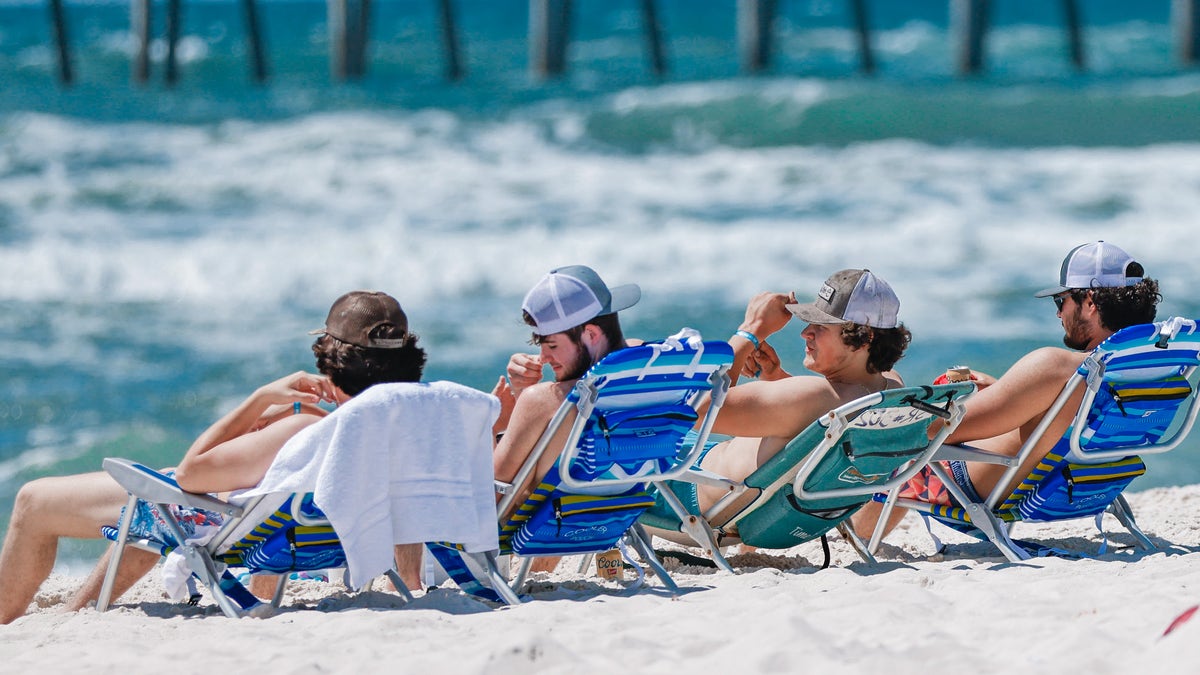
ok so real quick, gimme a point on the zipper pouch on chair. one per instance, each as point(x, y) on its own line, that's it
point(642, 433)
point(1134, 413)
point(1075, 490)
point(631, 437)
point(784, 521)
point(579, 523)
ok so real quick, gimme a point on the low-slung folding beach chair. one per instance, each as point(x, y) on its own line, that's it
point(820, 478)
point(277, 534)
point(444, 428)
point(1139, 398)
point(633, 411)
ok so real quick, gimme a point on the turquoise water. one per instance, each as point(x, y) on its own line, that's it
point(163, 252)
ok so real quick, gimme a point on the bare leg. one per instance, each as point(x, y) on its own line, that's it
point(135, 563)
point(46, 509)
point(864, 520)
point(263, 586)
point(408, 564)
point(544, 564)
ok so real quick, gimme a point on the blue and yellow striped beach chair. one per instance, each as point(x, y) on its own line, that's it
point(633, 411)
point(276, 533)
point(284, 531)
point(1139, 399)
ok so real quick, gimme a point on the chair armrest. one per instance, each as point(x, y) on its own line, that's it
point(969, 454)
point(145, 483)
point(703, 477)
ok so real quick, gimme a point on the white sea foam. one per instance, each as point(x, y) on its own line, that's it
point(262, 216)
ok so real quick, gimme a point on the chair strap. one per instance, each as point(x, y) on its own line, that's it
point(837, 513)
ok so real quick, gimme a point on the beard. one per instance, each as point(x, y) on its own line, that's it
point(1070, 339)
point(1078, 344)
point(579, 367)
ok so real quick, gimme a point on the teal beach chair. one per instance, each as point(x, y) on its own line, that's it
point(633, 411)
point(1139, 399)
point(820, 478)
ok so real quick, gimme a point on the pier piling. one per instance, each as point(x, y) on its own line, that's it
point(58, 22)
point(174, 17)
point(336, 13)
point(139, 26)
point(862, 28)
point(654, 47)
point(349, 28)
point(1074, 33)
point(549, 33)
point(362, 36)
point(754, 26)
point(550, 23)
point(1185, 17)
point(454, 68)
point(969, 21)
point(254, 47)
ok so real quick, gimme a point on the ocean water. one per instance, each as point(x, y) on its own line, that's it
point(164, 251)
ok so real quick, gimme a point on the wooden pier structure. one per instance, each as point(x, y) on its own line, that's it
point(550, 23)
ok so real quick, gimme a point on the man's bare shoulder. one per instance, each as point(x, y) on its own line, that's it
point(813, 391)
point(545, 394)
point(1052, 358)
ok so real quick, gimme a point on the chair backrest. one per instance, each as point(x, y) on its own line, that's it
point(634, 408)
point(634, 411)
point(834, 466)
point(1139, 398)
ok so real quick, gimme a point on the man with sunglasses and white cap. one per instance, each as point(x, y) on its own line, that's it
point(853, 339)
point(1101, 289)
point(573, 314)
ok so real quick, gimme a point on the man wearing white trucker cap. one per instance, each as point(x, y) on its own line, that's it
point(573, 314)
point(853, 339)
point(1101, 289)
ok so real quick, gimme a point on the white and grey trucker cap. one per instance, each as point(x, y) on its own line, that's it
point(569, 296)
point(1095, 265)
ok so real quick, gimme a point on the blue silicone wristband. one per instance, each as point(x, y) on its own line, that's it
point(748, 335)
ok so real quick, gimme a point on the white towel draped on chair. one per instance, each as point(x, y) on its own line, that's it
point(400, 463)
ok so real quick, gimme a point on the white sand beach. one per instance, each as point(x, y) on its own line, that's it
point(969, 610)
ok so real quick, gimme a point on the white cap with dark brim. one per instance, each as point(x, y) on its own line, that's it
point(571, 296)
point(1095, 265)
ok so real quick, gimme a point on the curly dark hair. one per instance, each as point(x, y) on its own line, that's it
point(353, 369)
point(885, 346)
point(1124, 306)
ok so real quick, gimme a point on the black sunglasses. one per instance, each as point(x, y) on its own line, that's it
point(1076, 293)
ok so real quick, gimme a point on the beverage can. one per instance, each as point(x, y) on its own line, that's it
point(958, 374)
point(609, 565)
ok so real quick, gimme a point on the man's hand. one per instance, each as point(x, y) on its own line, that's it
point(508, 401)
point(524, 371)
point(763, 363)
point(766, 314)
point(300, 386)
